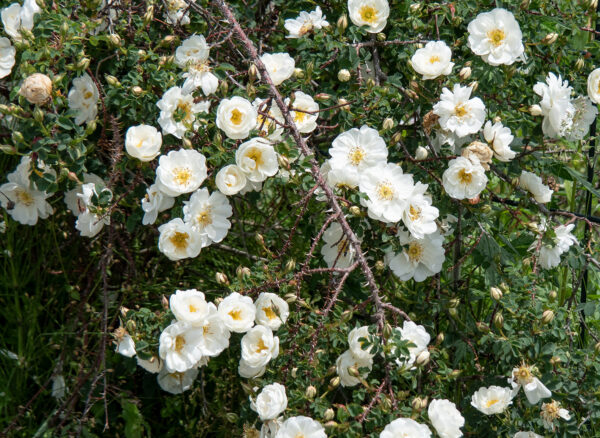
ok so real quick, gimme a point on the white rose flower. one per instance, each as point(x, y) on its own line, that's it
point(155, 202)
point(192, 50)
point(257, 159)
point(181, 171)
point(230, 180)
point(269, 428)
point(176, 12)
point(271, 402)
point(445, 418)
point(125, 345)
point(549, 256)
point(271, 310)
point(553, 411)
point(175, 382)
point(192, 56)
point(555, 104)
point(178, 240)
point(584, 114)
point(215, 336)
point(178, 112)
point(356, 346)
point(83, 99)
point(259, 346)
point(527, 435)
point(89, 224)
point(356, 150)
point(207, 214)
point(179, 346)
point(534, 389)
point(405, 428)
point(305, 427)
point(422, 258)
point(388, 189)
point(346, 361)
point(496, 37)
point(72, 199)
point(305, 112)
point(419, 215)
point(458, 112)
point(236, 117)
point(7, 57)
point(90, 220)
point(271, 126)
point(237, 312)
point(27, 202)
point(370, 13)
point(189, 306)
point(336, 249)
point(280, 66)
point(418, 336)
point(464, 179)
point(143, 142)
point(499, 138)
point(249, 372)
point(339, 178)
point(153, 365)
point(534, 185)
point(305, 22)
point(11, 19)
point(593, 86)
point(433, 60)
point(492, 400)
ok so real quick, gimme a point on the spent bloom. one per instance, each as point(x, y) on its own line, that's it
point(372, 14)
point(553, 411)
point(523, 376)
point(433, 60)
point(445, 418)
point(496, 37)
point(36, 88)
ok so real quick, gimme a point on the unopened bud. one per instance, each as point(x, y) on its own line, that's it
point(252, 73)
point(343, 103)
point(422, 358)
point(335, 382)
point(83, 64)
point(187, 143)
point(370, 83)
point(17, 137)
point(111, 80)
point(342, 23)
point(283, 161)
point(242, 272)
point(597, 347)
point(259, 239)
point(169, 39)
point(344, 75)
point(290, 265)
point(439, 338)
point(535, 110)
point(465, 73)
point(498, 320)
point(130, 326)
point(290, 298)
point(554, 360)
point(355, 210)
point(4, 109)
point(455, 373)
point(90, 127)
point(550, 38)
point(421, 153)
point(38, 115)
point(380, 265)
point(496, 293)
point(299, 73)
point(388, 123)
point(387, 330)
point(114, 39)
point(310, 392)
point(137, 90)
point(454, 302)
point(453, 312)
point(579, 64)
point(552, 295)
point(353, 371)
point(474, 85)
point(164, 302)
point(396, 138)
point(221, 278)
point(547, 316)
point(328, 414)
point(322, 97)
point(418, 403)
point(415, 7)
point(64, 28)
point(482, 327)
point(149, 15)
point(381, 36)
point(497, 119)
point(231, 417)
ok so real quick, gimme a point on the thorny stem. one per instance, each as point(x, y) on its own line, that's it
point(315, 169)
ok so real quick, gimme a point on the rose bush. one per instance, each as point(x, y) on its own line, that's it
point(357, 218)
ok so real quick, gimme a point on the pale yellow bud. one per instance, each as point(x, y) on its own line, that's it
point(342, 23)
point(421, 153)
point(550, 38)
point(355, 210)
point(299, 73)
point(310, 392)
point(422, 358)
point(137, 90)
point(328, 414)
point(547, 316)
point(498, 320)
point(388, 123)
point(344, 75)
point(114, 39)
point(465, 73)
point(535, 110)
point(496, 293)
point(221, 278)
point(111, 80)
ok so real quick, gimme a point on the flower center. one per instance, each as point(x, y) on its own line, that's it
point(179, 240)
point(460, 110)
point(434, 59)
point(496, 37)
point(206, 329)
point(415, 251)
point(260, 346)
point(368, 13)
point(183, 112)
point(491, 402)
point(465, 177)
point(385, 191)
point(236, 315)
point(299, 116)
point(523, 375)
point(306, 27)
point(236, 116)
point(204, 218)
point(182, 175)
point(356, 155)
point(256, 156)
point(88, 95)
point(24, 197)
point(269, 312)
point(193, 309)
point(179, 343)
point(414, 213)
point(343, 247)
point(550, 411)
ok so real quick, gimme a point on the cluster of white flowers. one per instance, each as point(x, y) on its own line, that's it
point(176, 12)
point(192, 56)
point(348, 365)
point(80, 201)
point(305, 23)
point(202, 330)
point(549, 253)
point(419, 339)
